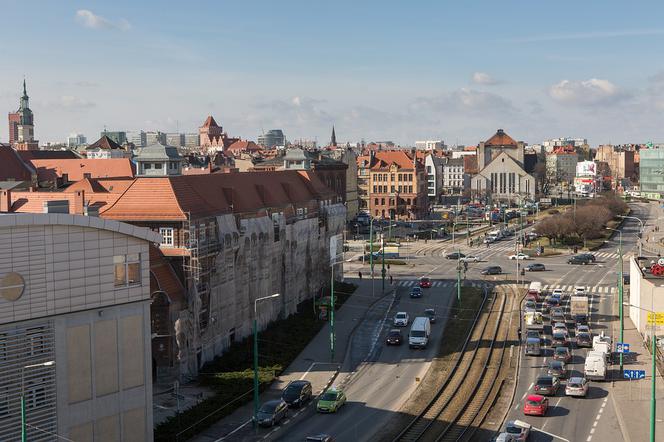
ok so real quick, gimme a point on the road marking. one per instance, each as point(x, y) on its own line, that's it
point(592, 430)
point(555, 436)
point(234, 431)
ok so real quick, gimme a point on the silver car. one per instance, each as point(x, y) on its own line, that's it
point(577, 387)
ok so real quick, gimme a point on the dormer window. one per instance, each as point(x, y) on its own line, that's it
point(157, 165)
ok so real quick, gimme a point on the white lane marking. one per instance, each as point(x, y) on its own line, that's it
point(596, 422)
point(234, 431)
point(555, 436)
point(592, 430)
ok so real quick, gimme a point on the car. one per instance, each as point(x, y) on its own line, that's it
point(581, 328)
point(535, 267)
point(470, 258)
point(560, 327)
point(297, 393)
point(560, 339)
point(401, 319)
point(431, 314)
point(530, 306)
point(519, 430)
point(584, 340)
point(520, 256)
point(504, 437)
point(492, 270)
point(489, 240)
point(546, 385)
point(580, 319)
point(557, 315)
point(577, 387)
point(331, 401)
point(534, 334)
point(559, 293)
point(425, 283)
point(272, 412)
point(579, 291)
point(320, 438)
point(394, 337)
point(550, 304)
point(589, 256)
point(416, 292)
point(535, 405)
point(561, 353)
point(454, 255)
point(578, 260)
point(557, 369)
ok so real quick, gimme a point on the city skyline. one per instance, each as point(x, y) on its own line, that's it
point(378, 72)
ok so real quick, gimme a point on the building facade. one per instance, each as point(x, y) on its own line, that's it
point(75, 140)
point(455, 180)
point(75, 319)
point(158, 160)
point(651, 167)
point(137, 137)
point(430, 145)
point(25, 128)
point(272, 138)
point(13, 119)
point(434, 169)
point(561, 168)
point(120, 137)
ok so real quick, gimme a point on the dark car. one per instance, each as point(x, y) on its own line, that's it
point(579, 260)
point(535, 334)
point(492, 270)
point(425, 283)
point(272, 412)
point(431, 314)
point(562, 354)
point(455, 255)
point(584, 340)
point(416, 292)
point(589, 256)
point(320, 438)
point(557, 315)
point(560, 339)
point(581, 319)
point(557, 369)
point(394, 337)
point(547, 385)
point(536, 267)
point(550, 304)
point(297, 393)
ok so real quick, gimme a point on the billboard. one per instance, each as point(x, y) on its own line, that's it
point(586, 168)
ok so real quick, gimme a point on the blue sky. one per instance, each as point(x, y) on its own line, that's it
point(387, 70)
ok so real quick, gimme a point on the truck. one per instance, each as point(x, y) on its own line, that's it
point(535, 290)
point(579, 305)
point(533, 320)
point(603, 344)
point(419, 332)
point(595, 366)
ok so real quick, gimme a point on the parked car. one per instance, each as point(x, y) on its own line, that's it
point(547, 385)
point(401, 319)
point(584, 340)
point(425, 283)
point(431, 314)
point(416, 292)
point(557, 369)
point(394, 337)
point(535, 267)
point(562, 354)
point(331, 401)
point(535, 405)
point(272, 412)
point(560, 339)
point(297, 393)
point(492, 270)
point(454, 255)
point(519, 430)
point(577, 387)
point(579, 260)
point(520, 256)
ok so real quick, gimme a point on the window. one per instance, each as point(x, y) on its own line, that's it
point(202, 233)
point(375, 201)
point(400, 177)
point(87, 175)
point(147, 166)
point(429, 169)
point(392, 189)
point(382, 201)
point(410, 189)
point(172, 165)
point(392, 177)
point(374, 188)
point(127, 270)
point(400, 187)
point(167, 236)
point(157, 165)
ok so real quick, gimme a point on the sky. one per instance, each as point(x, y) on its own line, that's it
point(376, 70)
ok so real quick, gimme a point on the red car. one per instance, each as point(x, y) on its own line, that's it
point(425, 283)
point(535, 405)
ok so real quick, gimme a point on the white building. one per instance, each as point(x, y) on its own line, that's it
point(75, 326)
point(158, 160)
point(105, 148)
point(454, 178)
point(154, 138)
point(430, 144)
point(434, 169)
point(75, 140)
point(175, 139)
point(550, 145)
point(561, 167)
point(138, 137)
point(462, 153)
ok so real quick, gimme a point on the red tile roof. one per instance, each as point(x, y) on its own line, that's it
point(12, 167)
point(384, 158)
point(104, 143)
point(470, 164)
point(243, 145)
point(49, 170)
point(209, 122)
point(165, 278)
point(500, 138)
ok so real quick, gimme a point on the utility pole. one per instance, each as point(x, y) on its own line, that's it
point(371, 255)
point(653, 399)
point(382, 242)
point(620, 293)
point(459, 276)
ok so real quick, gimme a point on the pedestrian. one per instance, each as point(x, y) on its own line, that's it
point(388, 267)
point(487, 245)
point(360, 275)
point(390, 279)
point(519, 333)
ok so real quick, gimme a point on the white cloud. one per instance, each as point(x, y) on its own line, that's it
point(90, 20)
point(70, 102)
point(465, 101)
point(586, 93)
point(484, 78)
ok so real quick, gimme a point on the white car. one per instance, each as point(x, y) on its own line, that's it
point(579, 291)
point(519, 256)
point(401, 319)
point(469, 258)
point(559, 327)
point(558, 293)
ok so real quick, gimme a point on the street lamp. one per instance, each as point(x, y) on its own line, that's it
point(620, 292)
point(640, 231)
point(23, 419)
point(256, 354)
point(332, 337)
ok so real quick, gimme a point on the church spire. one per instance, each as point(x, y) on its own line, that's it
point(25, 93)
point(333, 140)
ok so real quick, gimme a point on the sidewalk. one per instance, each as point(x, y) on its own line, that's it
point(631, 399)
point(313, 363)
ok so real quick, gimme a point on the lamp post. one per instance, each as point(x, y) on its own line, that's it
point(640, 231)
point(459, 276)
point(332, 335)
point(256, 354)
point(23, 419)
point(371, 264)
point(620, 293)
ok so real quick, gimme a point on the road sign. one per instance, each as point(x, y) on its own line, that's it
point(634, 374)
point(622, 347)
point(655, 318)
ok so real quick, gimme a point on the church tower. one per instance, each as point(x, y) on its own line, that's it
point(333, 139)
point(25, 129)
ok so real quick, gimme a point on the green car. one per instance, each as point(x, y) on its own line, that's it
point(331, 401)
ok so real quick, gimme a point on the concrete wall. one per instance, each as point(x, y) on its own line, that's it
point(648, 294)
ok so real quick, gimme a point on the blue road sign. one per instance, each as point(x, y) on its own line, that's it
point(622, 347)
point(634, 374)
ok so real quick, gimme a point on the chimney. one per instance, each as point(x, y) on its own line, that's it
point(5, 200)
point(79, 203)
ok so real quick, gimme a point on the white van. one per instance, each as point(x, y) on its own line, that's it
point(595, 366)
point(419, 332)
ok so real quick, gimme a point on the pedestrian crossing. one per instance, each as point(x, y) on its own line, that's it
point(569, 289)
point(449, 283)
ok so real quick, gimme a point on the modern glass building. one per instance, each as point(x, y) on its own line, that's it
point(652, 173)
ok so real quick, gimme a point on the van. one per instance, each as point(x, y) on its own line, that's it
point(419, 332)
point(533, 347)
point(595, 366)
